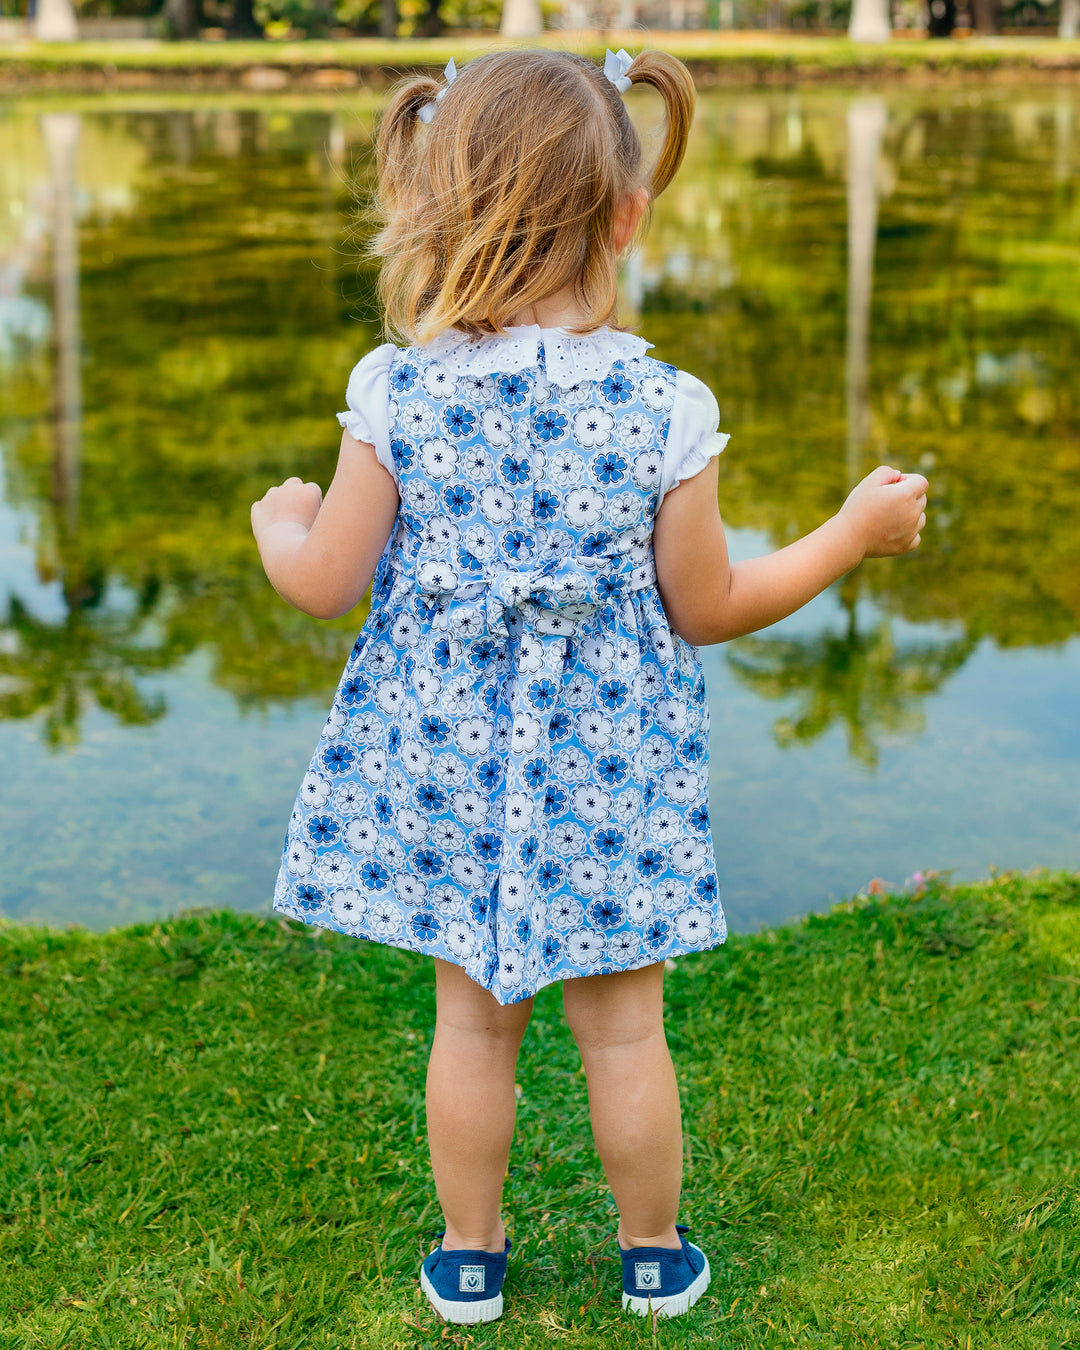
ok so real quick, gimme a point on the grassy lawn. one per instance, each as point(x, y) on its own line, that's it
point(213, 1136)
point(710, 54)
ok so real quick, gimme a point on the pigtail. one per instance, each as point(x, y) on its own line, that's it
point(670, 78)
point(395, 147)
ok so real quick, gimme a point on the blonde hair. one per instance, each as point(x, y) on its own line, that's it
point(513, 193)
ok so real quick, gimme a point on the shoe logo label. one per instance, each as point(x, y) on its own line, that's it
point(647, 1274)
point(471, 1279)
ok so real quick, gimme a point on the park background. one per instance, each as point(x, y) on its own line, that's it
point(212, 1121)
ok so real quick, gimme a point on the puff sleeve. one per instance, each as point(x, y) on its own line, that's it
point(693, 438)
point(367, 417)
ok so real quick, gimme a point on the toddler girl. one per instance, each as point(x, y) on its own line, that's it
point(514, 774)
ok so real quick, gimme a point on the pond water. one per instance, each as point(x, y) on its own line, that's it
point(859, 277)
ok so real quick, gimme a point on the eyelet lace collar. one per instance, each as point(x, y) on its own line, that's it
point(568, 357)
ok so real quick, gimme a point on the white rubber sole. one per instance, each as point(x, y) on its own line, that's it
point(459, 1312)
point(675, 1304)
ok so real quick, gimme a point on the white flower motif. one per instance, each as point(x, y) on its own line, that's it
point(416, 419)
point(405, 631)
point(410, 890)
point(694, 926)
point(393, 854)
point(511, 967)
point(671, 895)
point(585, 947)
point(575, 395)
point(347, 906)
point(624, 949)
point(571, 765)
point(578, 690)
point(670, 715)
point(473, 736)
point(299, 859)
point(470, 807)
point(647, 470)
point(333, 869)
point(335, 724)
point(658, 393)
point(411, 825)
point(513, 891)
point(476, 464)
point(598, 654)
point(657, 753)
point(565, 469)
point(622, 877)
point(372, 765)
point(530, 655)
point(444, 898)
point(594, 729)
point(389, 696)
point(459, 938)
point(349, 798)
point(381, 658)
point(458, 691)
point(583, 507)
point(519, 812)
point(476, 388)
point(688, 856)
point(421, 496)
point(438, 458)
point(315, 790)
point(588, 876)
point(479, 540)
point(466, 871)
point(591, 803)
point(635, 432)
point(525, 734)
point(626, 510)
point(450, 771)
point(441, 537)
point(447, 836)
point(360, 835)
point(427, 686)
point(438, 381)
point(680, 785)
point(592, 427)
point(497, 504)
point(665, 824)
point(497, 426)
point(640, 906)
point(365, 728)
point(468, 623)
point(662, 645)
point(566, 913)
point(436, 575)
point(628, 807)
point(385, 918)
point(568, 839)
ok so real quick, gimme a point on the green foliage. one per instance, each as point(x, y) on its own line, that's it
point(213, 1136)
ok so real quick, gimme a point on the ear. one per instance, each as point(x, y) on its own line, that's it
point(628, 216)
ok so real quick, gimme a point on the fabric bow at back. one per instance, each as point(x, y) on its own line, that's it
point(427, 112)
point(616, 65)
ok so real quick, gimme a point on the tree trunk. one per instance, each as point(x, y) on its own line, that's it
point(1069, 26)
point(181, 18)
point(870, 21)
point(431, 24)
point(388, 18)
point(55, 21)
point(521, 18)
point(942, 18)
point(986, 16)
point(243, 23)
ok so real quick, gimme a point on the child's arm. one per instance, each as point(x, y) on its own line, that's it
point(320, 555)
point(707, 599)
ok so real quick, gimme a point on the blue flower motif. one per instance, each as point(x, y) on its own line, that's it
point(323, 829)
point(609, 842)
point(595, 543)
point(469, 562)
point(545, 505)
point(612, 768)
point(427, 862)
point(383, 811)
point(706, 887)
point(542, 693)
point(550, 949)
point(610, 468)
point(569, 660)
point(435, 729)
point(431, 798)
point(650, 861)
point(478, 907)
point(458, 499)
point(355, 689)
point(529, 849)
point(374, 876)
point(699, 691)
point(442, 654)
point(617, 388)
point(309, 897)
point(517, 542)
point(609, 588)
point(692, 749)
point(549, 874)
point(649, 792)
point(513, 389)
point(657, 934)
point(523, 930)
point(490, 698)
point(554, 800)
point(393, 740)
point(483, 653)
point(534, 773)
point(402, 453)
point(425, 925)
point(488, 846)
point(549, 425)
point(613, 693)
point(403, 377)
point(605, 913)
point(459, 421)
point(338, 758)
point(514, 470)
point(489, 774)
point(560, 726)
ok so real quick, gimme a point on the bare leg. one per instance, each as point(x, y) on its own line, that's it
point(470, 1105)
point(618, 1023)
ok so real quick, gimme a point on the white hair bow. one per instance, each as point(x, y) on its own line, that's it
point(427, 112)
point(616, 64)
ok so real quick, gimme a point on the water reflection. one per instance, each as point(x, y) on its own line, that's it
point(858, 278)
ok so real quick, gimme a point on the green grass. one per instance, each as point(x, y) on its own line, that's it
point(711, 55)
point(213, 1137)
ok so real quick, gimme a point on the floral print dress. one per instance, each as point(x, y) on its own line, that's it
point(514, 773)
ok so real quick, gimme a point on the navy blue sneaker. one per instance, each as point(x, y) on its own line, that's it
point(465, 1287)
point(661, 1281)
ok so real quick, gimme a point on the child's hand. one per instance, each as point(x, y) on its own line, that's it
point(887, 511)
point(293, 501)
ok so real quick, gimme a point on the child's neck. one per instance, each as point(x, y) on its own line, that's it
point(560, 310)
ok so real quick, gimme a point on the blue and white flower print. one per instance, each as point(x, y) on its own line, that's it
point(514, 773)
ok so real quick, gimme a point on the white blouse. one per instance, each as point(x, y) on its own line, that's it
point(693, 438)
